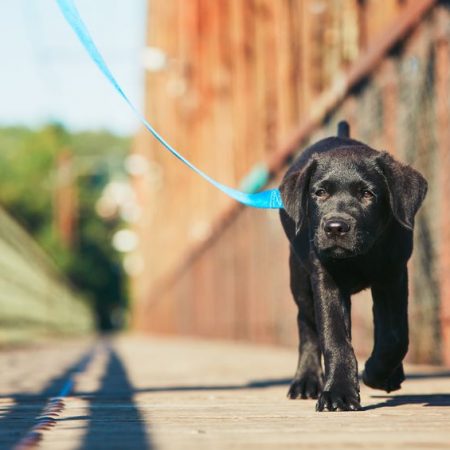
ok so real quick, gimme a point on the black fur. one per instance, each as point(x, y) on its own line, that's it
point(349, 216)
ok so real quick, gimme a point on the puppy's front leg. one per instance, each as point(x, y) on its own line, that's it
point(308, 379)
point(384, 368)
point(332, 306)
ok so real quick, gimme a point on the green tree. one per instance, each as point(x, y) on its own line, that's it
point(27, 188)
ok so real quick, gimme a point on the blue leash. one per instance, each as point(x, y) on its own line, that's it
point(270, 199)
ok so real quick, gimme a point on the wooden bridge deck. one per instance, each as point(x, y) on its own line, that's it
point(163, 393)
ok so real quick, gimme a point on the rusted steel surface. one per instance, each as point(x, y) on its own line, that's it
point(238, 77)
point(229, 278)
point(343, 83)
point(442, 50)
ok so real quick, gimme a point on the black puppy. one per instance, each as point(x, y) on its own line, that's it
point(349, 216)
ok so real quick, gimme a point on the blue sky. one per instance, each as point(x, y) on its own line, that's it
point(46, 75)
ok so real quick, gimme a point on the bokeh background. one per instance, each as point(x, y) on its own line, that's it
point(65, 193)
point(101, 228)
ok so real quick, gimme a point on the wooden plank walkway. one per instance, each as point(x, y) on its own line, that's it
point(170, 393)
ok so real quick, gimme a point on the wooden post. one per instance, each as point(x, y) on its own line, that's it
point(65, 202)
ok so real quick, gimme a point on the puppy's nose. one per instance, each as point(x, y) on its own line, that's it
point(336, 227)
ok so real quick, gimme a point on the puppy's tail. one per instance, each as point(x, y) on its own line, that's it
point(343, 129)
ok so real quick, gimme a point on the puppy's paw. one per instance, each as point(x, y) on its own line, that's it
point(390, 382)
point(309, 385)
point(338, 399)
point(396, 379)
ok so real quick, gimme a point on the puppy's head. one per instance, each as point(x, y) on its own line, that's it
point(347, 196)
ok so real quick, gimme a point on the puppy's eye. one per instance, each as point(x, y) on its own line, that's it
point(321, 193)
point(367, 194)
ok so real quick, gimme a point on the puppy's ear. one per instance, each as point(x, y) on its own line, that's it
point(294, 192)
point(407, 189)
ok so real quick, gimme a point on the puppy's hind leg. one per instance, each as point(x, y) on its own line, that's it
point(308, 379)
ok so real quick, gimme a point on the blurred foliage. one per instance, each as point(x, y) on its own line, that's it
point(27, 184)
